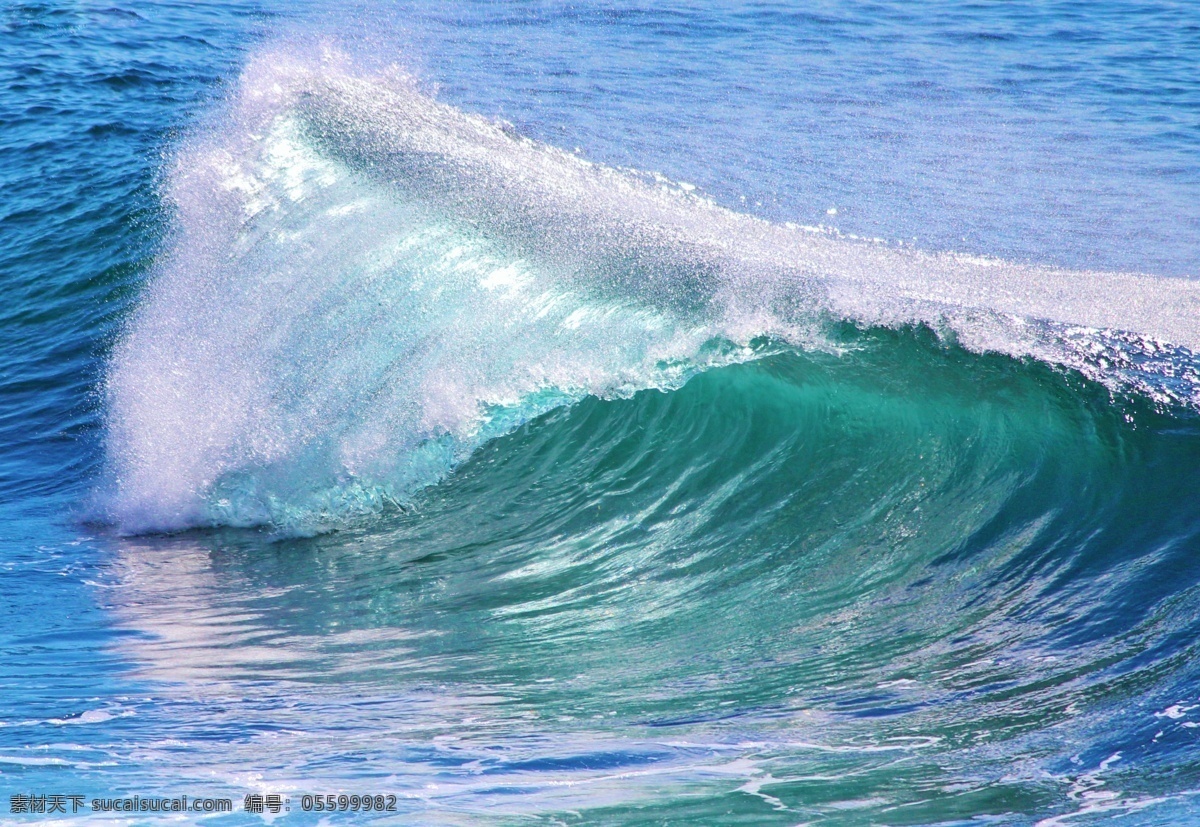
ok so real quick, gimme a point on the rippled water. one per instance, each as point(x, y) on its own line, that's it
point(631, 416)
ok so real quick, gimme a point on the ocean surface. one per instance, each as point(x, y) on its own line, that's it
point(546, 414)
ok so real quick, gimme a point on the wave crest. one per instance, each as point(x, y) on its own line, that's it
point(364, 285)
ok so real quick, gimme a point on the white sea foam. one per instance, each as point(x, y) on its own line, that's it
point(364, 284)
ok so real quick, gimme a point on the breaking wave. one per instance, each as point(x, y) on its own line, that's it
point(364, 285)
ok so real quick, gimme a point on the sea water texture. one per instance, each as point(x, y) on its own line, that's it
point(384, 412)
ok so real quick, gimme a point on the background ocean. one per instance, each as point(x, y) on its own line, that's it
point(658, 414)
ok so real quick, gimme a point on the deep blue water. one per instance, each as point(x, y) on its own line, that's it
point(638, 415)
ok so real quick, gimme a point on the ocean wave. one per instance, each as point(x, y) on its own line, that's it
point(364, 285)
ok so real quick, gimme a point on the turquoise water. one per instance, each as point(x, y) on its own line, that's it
point(674, 415)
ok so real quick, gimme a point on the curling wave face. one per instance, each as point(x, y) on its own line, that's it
point(365, 285)
point(898, 582)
